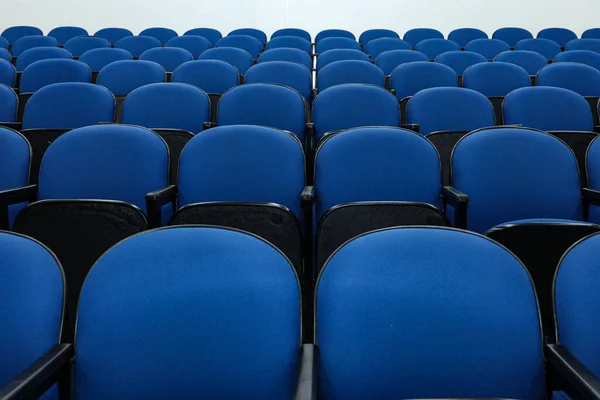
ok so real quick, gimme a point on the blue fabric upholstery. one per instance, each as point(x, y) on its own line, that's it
point(515, 173)
point(495, 79)
point(592, 165)
point(377, 46)
point(449, 108)
point(434, 47)
point(239, 58)
point(459, 61)
point(388, 319)
point(292, 32)
point(5, 54)
point(414, 36)
point(587, 57)
point(531, 61)
point(9, 102)
point(329, 33)
point(29, 42)
point(212, 76)
point(561, 36)
point(296, 76)
point(373, 34)
point(462, 36)
point(121, 77)
point(97, 59)
point(409, 78)
point(111, 162)
point(3, 43)
point(163, 35)
point(584, 44)
point(339, 55)
point(293, 42)
point(16, 32)
point(167, 105)
point(592, 33)
point(46, 72)
point(349, 71)
point(211, 34)
point(7, 73)
point(79, 45)
point(15, 154)
point(546, 47)
point(352, 106)
point(244, 42)
point(286, 54)
point(64, 33)
point(241, 313)
point(196, 45)
point(255, 33)
point(388, 60)
point(69, 105)
point(489, 48)
point(262, 165)
point(376, 164)
point(336, 43)
point(168, 57)
point(113, 35)
point(512, 35)
point(136, 45)
point(40, 53)
point(262, 104)
point(548, 109)
point(579, 78)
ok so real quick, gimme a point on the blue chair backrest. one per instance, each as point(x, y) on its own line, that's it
point(531, 61)
point(239, 58)
point(15, 158)
point(513, 174)
point(207, 275)
point(339, 55)
point(286, 54)
point(9, 101)
point(414, 36)
point(376, 164)
point(255, 33)
point(263, 104)
point(373, 34)
point(32, 292)
point(350, 71)
point(489, 48)
point(196, 45)
point(377, 46)
point(46, 72)
point(163, 35)
point(113, 35)
point(380, 294)
point(354, 105)
point(462, 36)
point(495, 79)
point(546, 47)
point(561, 36)
point(97, 59)
point(136, 45)
point(548, 109)
point(293, 42)
point(409, 78)
point(8, 73)
point(296, 76)
point(434, 47)
point(29, 42)
point(13, 33)
point(3, 43)
point(459, 61)
point(211, 34)
point(512, 35)
point(592, 165)
point(264, 165)
point(212, 76)
point(584, 44)
point(336, 43)
point(69, 105)
point(40, 53)
point(329, 33)
point(587, 57)
point(64, 33)
point(5, 54)
point(167, 106)
point(121, 77)
point(579, 78)
point(245, 42)
point(592, 33)
point(292, 32)
point(389, 60)
point(109, 162)
point(79, 45)
point(168, 57)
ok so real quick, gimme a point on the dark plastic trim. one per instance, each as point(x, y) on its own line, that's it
point(459, 201)
point(575, 374)
point(306, 388)
point(14, 196)
point(154, 202)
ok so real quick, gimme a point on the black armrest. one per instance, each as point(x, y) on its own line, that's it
point(12, 125)
point(412, 127)
point(208, 125)
point(154, 202)
point(14, 196)
point(458, 200)
point(306, 388)
point(579, 382)
point(315, 92)
point(591, 196)
point(308, 196)
point(41, 375)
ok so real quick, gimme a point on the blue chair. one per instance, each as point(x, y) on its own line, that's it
point(136, 45)
point(15, 156)
point(13, 33)
point(336, 43)
point(97, 59)
point(113, 35)
point(47, 72)
point(349, 71)
point(546, 47)
point(40, 53)
point(592, 33)
point(584, 44)
point(29, 42)
point(292, 32)
point(292, 42)
point(296, 76)
point(3, 43)
point(389, 60)
point(334, 55)
point(434, 47)
point(462, 36)
point(239, 58)
point(561, 36)
point(244, 42)
point(414, 36)
point(512, 35)
point(372, 34)
point(9, 106)
point(64, 33)
point(255, 33)
point(531, 61)
point(286, 54)
point(592, 168)
point(459, 61)
point(167, 57)
point(163, 35)
point(5, 55)
point(8, 73)
point(489, 48)
point(79, 45)
point(196, 45)
point(587, 57)
point(377, 46)
point(212, 35)
point(121, 77)
point(334, 33)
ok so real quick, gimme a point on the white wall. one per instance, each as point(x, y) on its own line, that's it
point(313, 15)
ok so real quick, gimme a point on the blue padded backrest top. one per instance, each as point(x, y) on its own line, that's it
point(212, 76)
point(196, 45)
point(339, 55)
point(592, 165)
point(262, 104)
point(414, 36)
point(111, 162)
point(495, 79)
point(462, 36)
point(79, 45)
point(376, 164)
point(584, 44)
point(97, 59)
point(546, 47)
point(230, 299)
point(167, 105)
point(579, 78)
point(261, 165)
point(587, 57)
point(547, 109)
point(349, 71)
point(378, 46)
point(40, 53)
point(292, 32)
point(3, 43)
point(449, 108)
point(211, 34)
point(592, 33)
point(329, 33)
point(515, 173)
point(434, 47)
point(512, 35)
point(576, 297)
point(69, 105)
point(168, 57)
point(296, 76)
point(407, 79)
point(390, 294)
point(5, 55)
point(336, 43)
point(286, 54)
point(29, 42)
point(64, 33)
point(354, 105)
point(562, 36)
point(8, 73)
point(388, 60)
point(239, 58)
point(113, 35)
point(245, 42)
point(459, 61)
point(31, 292)
point(136, 45)
point(489, 48)
point(162, 34)
point(9, 102)
point(46, 72)
point(16, 32)
point(255, 33)
point(373, 34)
point(292, 42)
point(121, 77)
point(531, 61)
